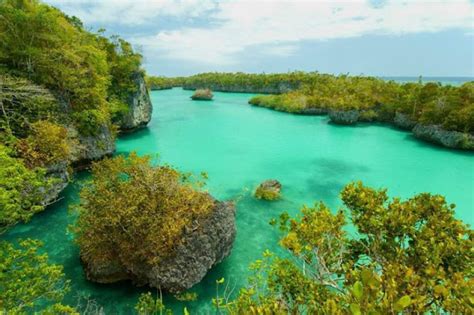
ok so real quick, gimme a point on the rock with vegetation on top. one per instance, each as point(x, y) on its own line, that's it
point(438, 135)
point(344, 117)
point(150, 225)
point(205, 243)
point(202, 95)
point(403, 121)
point(93, 147)
point(139, 106)
point(268, 190)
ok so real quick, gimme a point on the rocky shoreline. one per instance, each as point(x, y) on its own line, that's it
point(430, 133)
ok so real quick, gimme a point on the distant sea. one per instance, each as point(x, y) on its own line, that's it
point(444, 80)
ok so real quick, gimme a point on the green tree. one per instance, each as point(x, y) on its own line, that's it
point(409, 256)
point(21, 190)
point(28, 281)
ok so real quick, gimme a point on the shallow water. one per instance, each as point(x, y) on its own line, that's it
point(239, 146)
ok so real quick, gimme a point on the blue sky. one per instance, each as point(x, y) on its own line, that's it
point(378, 37)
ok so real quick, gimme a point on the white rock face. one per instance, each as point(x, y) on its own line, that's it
point(140, 107)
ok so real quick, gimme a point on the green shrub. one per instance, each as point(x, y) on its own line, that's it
point(133, 211)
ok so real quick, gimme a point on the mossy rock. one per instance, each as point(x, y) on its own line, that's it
point(268, 190)
point(202, 95)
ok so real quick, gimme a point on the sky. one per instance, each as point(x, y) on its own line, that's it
point(370, 37)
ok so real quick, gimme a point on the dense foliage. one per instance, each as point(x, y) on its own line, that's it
point(409, 256)
point(162, 83)
point(272, 82)
point(89, 73)
point(21, 190)
point(377, 100)
point(133, 212)
point(54, 76)
point(28, 281)
point(58, 83)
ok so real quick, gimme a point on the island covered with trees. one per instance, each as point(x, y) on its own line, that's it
point(440, 114)
point(66, 93)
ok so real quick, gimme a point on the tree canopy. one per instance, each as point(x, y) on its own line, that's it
point(28, 281)
point(132, 211)
point(408, 256)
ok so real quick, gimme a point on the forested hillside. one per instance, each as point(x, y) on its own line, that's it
point(64, 94)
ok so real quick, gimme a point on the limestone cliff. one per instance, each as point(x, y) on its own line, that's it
point(139, 106)
point(450, 139)
point(342, 117)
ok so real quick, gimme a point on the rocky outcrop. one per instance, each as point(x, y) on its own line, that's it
point(139, 106)
point(202, 95)
point(60, 176)
point(450, 139)
point(403, 121)
point(268, 190)
point(205, 243)
point(92, 148)
point(344, 117)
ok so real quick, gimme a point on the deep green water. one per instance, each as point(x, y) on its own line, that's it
point(239, 146)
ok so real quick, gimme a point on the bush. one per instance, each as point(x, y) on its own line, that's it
point(47, 145)
point(90, 122)
point(21, 190)
point(132, 211)
point(28, 281)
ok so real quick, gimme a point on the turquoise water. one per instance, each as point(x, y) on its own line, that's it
point(239, 146)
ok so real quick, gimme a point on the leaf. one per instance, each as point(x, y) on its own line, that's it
point(220, 281)
point(355, 309)
point(402, 303)
point(357, 290)
point(185, 311)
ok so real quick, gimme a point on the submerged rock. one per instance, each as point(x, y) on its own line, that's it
point(139, 106)
point(344, 117)
point(403, 121)
point(268, 190)
point(450, 139)
point(204, 244)
point(202, 95)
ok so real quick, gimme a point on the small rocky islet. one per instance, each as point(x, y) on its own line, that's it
point(202, 95)
point(269, 189)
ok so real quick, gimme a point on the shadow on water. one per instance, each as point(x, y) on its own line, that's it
point(433, 146)
point(135, 135)
point(322, 185)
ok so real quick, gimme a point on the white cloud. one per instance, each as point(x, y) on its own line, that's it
point(277, 26)
point(281, 24)
point(131, 12)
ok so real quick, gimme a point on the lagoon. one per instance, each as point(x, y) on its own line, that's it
point(239, 146)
